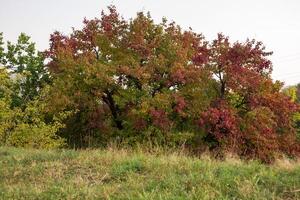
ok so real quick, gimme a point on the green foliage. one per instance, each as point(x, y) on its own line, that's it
point(26, 65)
point(28, 128)
point(25, 128)
point(291, 91)
point(294, 93)
point(296, 120)
point(6, 113)
point(32, 131)
point(35, 136)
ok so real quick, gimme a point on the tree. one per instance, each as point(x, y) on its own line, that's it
point(128, 75)
point(250, 116)
point(5, 101)
point(26, 65)
point(23, 121)
point(138, 79)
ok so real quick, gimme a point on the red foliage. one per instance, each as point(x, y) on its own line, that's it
point(140, 124)
point(115, 65)
point(178, 76)
point(222, 125)
point(160, 119)
point(180, 105)
point(242, 70)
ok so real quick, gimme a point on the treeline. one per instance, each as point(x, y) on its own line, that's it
point(134, 81)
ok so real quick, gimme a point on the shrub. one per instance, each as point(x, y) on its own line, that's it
point(36, 136)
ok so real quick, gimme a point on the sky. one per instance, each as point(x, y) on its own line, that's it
point(274, 22)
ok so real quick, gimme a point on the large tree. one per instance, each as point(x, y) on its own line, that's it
point(128, 74)
point(129, 77)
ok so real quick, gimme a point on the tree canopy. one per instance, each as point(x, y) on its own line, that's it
point(137, 80)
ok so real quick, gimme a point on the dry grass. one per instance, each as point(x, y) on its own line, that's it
point(286, 163)
point(157, 173)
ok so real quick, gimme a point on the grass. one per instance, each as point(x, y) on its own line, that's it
point(136, 174)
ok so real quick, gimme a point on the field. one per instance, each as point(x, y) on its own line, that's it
point(136, 174)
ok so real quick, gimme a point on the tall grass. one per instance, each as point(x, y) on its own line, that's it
point(114, 173)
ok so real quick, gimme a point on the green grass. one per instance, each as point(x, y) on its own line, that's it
point(125, 174)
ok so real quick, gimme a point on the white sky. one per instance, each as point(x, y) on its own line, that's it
point(274, 22)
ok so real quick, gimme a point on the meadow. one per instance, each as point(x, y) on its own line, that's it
point(115, 173)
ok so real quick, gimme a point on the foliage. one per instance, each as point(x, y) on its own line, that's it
point(135, 80)
point(25, 128)
point(6, 113)
point(26, 66)
point(128, 76)
point(134, 76)
point(31, 130)
point(250, 116)
point(294, 93)
point(291, 91)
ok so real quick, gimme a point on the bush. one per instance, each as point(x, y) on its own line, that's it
point(28, 127)
point(36, 136)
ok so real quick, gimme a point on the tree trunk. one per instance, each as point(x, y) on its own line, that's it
point(108, 99)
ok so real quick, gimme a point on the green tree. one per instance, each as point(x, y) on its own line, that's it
point(26, 66)
point(22, 118)
point(6, 114)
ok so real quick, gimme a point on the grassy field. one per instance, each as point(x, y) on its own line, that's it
point(125, 174)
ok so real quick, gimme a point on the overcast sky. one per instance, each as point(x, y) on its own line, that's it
point(274, 22)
